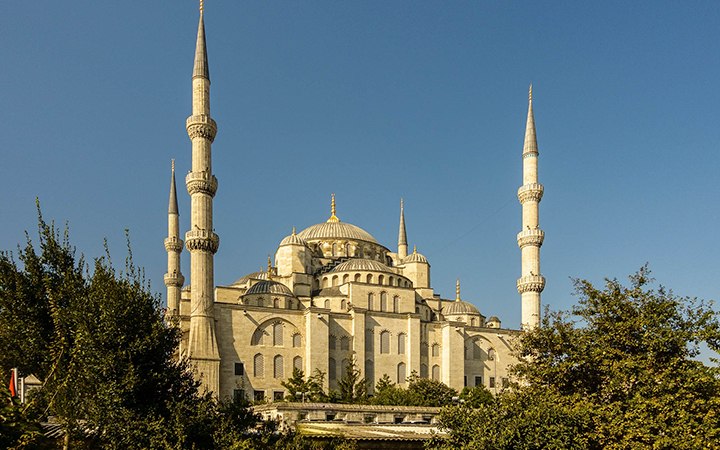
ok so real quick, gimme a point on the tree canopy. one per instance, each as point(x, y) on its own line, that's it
point(616, 372)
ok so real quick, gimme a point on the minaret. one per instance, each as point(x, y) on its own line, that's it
point(530, 239)
point(402, 236)
point(173, 245)
point(201, 241)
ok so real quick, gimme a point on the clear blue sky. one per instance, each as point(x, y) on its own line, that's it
point(374, 101)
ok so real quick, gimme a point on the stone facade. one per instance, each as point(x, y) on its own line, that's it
point(334, 294)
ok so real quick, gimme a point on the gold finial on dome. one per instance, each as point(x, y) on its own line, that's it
point(293, 230)
point(173, 164)
point(457, 290)
point(531, 92)
point(201, 5)
point(269, 277)
point(415, 249)
point(333, 217)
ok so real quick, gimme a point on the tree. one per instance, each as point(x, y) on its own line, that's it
point(425, 392)
point(99, 343)
point(615, 373)
point(312, 387)
point(476, 396)
point(388, 393)
point(353, 388)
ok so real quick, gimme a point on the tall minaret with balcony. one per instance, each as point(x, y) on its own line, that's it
point(173, 245)
point(530, 239)
point(402, 235)
point(201, 241)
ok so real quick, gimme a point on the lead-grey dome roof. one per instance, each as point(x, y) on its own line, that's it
point(269, 287)
point(361, 264)
point(460, 307)
point(336, 230)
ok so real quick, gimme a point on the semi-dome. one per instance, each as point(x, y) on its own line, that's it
point(355, 265)
point(460, 307)
point(269, 287)
point(336, 230)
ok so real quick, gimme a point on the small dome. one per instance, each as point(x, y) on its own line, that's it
point(415, 257)
point(251, 276)
point(269, 287)
point(361, 264)
point(335, 230)
point(293, 239)
point(460, 307)
point(493, 319)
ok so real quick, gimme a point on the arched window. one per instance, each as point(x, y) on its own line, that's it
point(344, 343)
point(335, 280)
point(278, 334)
point(401, 373)
point(346, 278)
point(381, 279)
point(401, 344)
point(260, 302)
point(259, 366)
point(371, 301)
point(369, 278)
point(343, 368)
point(276, 303)
point(331, 342)
point(383, 301)
point(472, 321)
point(327, 304)
point(436, 350)
point(325, 282)
point(297, 362)
point(396, 303)
point(278, 364)
point(385, 342)
point(257, 338)
point(423, 371)
point(297, 340)
point(357, 277)
point(391, 280)
point(370, 372)
point(423, 349)
point(342, 305)
point(334, 249)
point(417, 310)
point(491, 354)
point(347, 250)
point(436, 372)
point(332, 369)
point(369, 341)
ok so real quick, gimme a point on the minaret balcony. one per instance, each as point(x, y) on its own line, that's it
point(530, 192)
point(203, 240)
point(531, 283)
point(174, 279)
point(173, 244)
point(202, 182)
point(531, 236)
point(201, 126)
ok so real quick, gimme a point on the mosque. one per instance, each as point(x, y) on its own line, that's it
point(333, 294)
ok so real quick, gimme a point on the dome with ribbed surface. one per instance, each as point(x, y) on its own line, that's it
point(361, 264)
point(456, 308)
point(415, 257)
point(269, 287)
point(293, 239)
point(335, 230)
point(251, 276)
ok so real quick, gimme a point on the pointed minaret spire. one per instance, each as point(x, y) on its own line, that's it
point(402, 235)
point(201, 241)
point(457, 291)
point(173, 245)
point(530, 239)
point(333, 217)
point(201, 68)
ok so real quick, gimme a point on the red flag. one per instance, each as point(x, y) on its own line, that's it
point(13, 391)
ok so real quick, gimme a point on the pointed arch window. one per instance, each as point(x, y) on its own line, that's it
point(491, 354)
point(436, 372)
point(297, 340)
point(396, 303)
point(278, 367)
point(436, 349)
point(401, 344)
point(385, 342)
point(297, 363)
point(383, 301)
point(371, 301)
point(259, 366)
point(401, 373)
point(278, 334)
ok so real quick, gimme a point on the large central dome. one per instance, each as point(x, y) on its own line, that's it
point(335, 230)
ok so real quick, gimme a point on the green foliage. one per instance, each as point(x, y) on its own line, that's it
point(420, 392)
point(476, 396)
point(312, 387)
point(619, 375)
point(353, 388)
point(17, 431)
